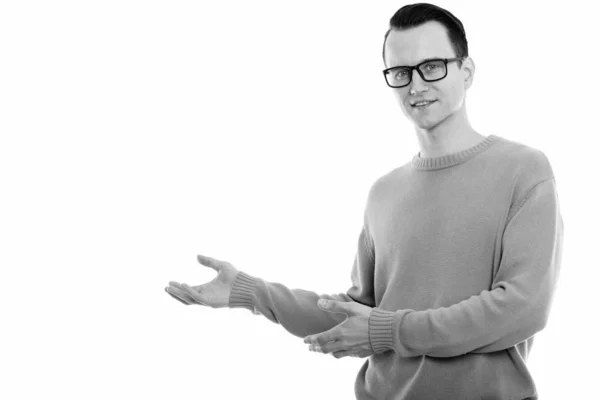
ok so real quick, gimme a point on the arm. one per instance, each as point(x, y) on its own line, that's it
point(515, 308)
point(296, 309)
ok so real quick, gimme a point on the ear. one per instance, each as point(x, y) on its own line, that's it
point(468, 68)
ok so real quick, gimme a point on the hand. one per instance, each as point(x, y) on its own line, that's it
point(348, 339)
point(213, 294)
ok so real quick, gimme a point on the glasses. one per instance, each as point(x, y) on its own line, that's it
point(429, 70)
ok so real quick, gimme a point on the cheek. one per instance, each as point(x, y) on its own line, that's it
point(454, 96)
point(402, 99)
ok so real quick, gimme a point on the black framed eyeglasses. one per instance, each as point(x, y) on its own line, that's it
point(429, 70)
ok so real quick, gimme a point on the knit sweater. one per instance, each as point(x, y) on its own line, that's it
point(459, 257)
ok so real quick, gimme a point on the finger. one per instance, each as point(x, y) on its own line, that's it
point(314, 346)
point(333, 347)
point(342, 353)
point(180, 287)
point(210, 262)
point(336, 306)
point(176, 298)
point(195, 295)
point(181, 294)
point(364, 353)
point(326, 337)
point(344, 298)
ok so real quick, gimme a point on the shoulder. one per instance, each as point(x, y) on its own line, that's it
point(529, 166)
point(389, 180)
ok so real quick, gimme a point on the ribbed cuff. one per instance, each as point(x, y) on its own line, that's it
point(242, 291)
point(380, 330)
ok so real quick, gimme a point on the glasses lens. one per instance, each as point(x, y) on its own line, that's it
point(398, 77)
point(433, 70)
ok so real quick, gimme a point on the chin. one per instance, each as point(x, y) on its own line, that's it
point(426, 123)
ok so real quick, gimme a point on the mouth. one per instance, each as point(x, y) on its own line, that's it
point(423, 104)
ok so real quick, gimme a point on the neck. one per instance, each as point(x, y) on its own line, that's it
point(451, 135)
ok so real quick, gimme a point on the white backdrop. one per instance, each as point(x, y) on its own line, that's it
point(137, 134)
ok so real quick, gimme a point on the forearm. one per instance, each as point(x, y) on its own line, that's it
point(294, 309)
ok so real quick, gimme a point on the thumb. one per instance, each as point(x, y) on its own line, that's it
point(335, 306)
point(210, 262)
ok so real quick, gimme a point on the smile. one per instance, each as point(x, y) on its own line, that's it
point(424, 104)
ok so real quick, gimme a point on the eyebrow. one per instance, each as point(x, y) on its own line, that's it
point(422, 61)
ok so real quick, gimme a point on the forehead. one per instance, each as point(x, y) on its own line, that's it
point(413, 45)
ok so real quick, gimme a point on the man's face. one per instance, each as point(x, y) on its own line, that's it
point(410, 47)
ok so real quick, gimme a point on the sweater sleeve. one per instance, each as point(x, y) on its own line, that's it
point(296, 309)
point(514, 309)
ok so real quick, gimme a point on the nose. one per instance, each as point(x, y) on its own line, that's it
point(417, 84)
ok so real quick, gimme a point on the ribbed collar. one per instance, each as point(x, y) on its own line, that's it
point(449, 160)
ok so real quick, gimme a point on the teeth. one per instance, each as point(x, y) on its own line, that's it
point(422, 103)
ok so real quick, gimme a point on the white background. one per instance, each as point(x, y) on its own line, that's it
point(137, 134)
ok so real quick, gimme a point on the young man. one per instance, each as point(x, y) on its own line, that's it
point(459, 254)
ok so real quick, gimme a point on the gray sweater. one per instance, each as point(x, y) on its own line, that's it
point(459, 257)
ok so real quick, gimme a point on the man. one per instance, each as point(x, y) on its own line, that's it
point(459, 253)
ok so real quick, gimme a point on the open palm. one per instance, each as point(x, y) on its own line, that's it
point(213, 294)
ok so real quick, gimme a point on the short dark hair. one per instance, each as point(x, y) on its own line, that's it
point(416, 14)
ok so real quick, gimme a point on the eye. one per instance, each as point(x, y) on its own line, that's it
point(401, 73)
